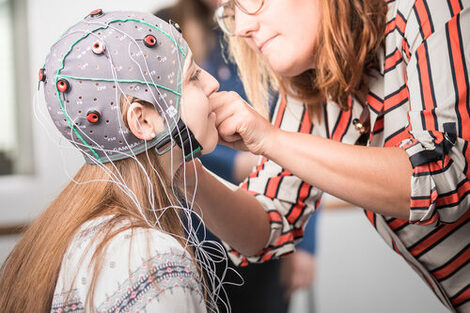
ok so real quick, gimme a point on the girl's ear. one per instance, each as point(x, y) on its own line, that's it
point(144, 121)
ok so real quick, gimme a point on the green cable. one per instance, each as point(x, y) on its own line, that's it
point(71, 48)
point(120, 81)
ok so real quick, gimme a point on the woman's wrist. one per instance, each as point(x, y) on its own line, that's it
point(272, 142)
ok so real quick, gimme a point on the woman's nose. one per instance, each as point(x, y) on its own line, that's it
point(245, 24)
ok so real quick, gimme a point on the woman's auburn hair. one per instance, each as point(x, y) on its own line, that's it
point(350, 36)
point(28, 276)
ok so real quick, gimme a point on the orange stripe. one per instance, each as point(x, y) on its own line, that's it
point(375, 103)
point(290, 236)
point(280, 113)
point(343, 123)
point(300, 205)
point(461, 298)
point(434, 218)
point(438, 235)
point(426, 87)
point(379, 125)
point(390, 26)
point(400, 22)
point(453, 266)
point(454, 197)
point(455, 6)
point(420, 203)
point(370, 217)
point(460, 77)
point(461, 80)
point(392, 60)
point(398, 138)
point(397, 223)
point(274, 216)
point(266, 257)
point(306, 125)
point(424, 18)
point(432, 166)
point(273, 184)
point(396, 99)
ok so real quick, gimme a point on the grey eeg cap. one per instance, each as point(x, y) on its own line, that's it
point(98, 59)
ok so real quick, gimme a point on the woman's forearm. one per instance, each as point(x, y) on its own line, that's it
point(233, 216)
point(377, 179)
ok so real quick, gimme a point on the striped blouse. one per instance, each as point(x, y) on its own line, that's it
point(419, 101)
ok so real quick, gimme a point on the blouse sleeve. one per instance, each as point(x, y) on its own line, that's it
point(436, 44)
point(287, 199)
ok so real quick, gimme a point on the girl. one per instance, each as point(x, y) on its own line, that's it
point(392, 75)
point(113, 240)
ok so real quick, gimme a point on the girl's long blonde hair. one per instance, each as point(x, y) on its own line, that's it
point(29, 274)
point(350, 35)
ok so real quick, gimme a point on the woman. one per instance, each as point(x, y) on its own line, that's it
point(394, 74)
point(113, 239)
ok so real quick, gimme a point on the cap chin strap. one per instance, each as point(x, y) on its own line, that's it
point(185, 139)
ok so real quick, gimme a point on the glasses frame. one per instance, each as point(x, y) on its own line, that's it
point(238, 5)
point(219, 17)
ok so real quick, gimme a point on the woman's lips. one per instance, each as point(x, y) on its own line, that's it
point(263, 45)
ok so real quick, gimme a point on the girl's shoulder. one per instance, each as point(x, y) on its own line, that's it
point(131, 261)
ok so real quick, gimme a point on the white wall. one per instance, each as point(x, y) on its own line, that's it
point(357, 272)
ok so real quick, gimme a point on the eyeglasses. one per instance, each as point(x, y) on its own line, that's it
point(225, 13)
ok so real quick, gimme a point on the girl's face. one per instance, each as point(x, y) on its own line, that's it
point(196, 113)
point(284, 34)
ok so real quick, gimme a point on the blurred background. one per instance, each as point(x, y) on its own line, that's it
point(354, 269)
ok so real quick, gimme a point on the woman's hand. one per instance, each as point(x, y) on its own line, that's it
point(239, 125)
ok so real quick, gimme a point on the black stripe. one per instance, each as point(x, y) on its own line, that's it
point(454, 79)
point(401, 227)
point(337, 122)
point(450, 8)
point(279, 186)
point(394, 66)
point(404, 21)
point(327, 127)
point(464, 151)
point(347, 127)
point(391, 54)
point(391, 30)
point(453, 191)
point(462, 198)
point(454, 257)
point(441, 239)
point(297, 197)
point(439, 171)
point(399, 104)
point(462, 303)
point(429, 16)
point(437, 154)
point(301, 215)
point(394, 134)
point(458, 293)
point(373, 95)
point(397, 91)
point(423, 122)
point(302, 116)
point(439, 227)
point(418, 208)
point(431, 84)
point(462, 53)
point(419, 22)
